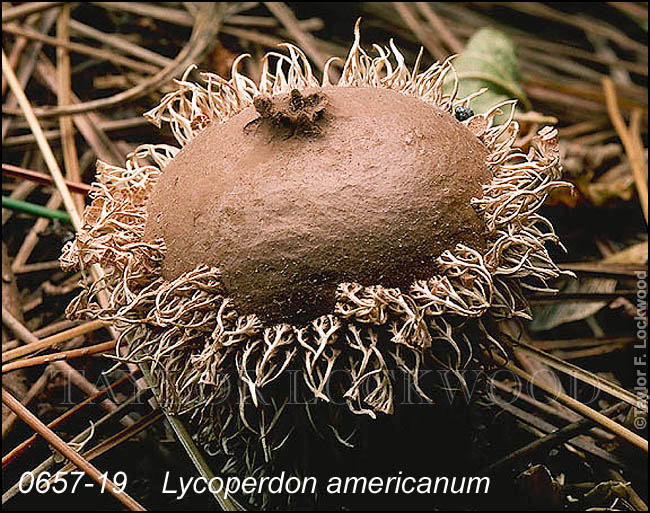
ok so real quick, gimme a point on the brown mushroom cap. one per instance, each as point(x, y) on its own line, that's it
point(373, 194)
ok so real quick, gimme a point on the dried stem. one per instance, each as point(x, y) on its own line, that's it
point(54, 440)
point(633, 149)
point(583, 409)
point(19, 449)
point(50, 160)
point(53, 340)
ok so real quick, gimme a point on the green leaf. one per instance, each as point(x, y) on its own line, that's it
point(489, 61)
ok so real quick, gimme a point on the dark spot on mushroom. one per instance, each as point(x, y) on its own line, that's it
point(463, 113)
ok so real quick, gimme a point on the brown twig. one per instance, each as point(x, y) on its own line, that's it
point(63, 355)
point(75, 377)
point(17, 50)
point(21, 192)
point(583, 409)
point(81, 48)
point(25, 70)
point(44, 343)
point(585, 376)
point(54, 440)
point(426, 36)
point(148, 10)
point(42, 332)
point(11, 303)
point(19, 449)
point(582, 23)
point(125, 434)
point(105, 125)
point(20, 11)
point(540, 427)
point(604, 270)
point(632, 9)
point(88, 124)
point(33, 391)
point(32, 238)
point(42, 178)
point(70, 157)
point(438, 25)
point(205, 30)
point(580, 296)
point(306, 41)
point(634, 153)
point(554, 345)
point(599, 350)
point(120, 43)
point(546, 408)
point(48, 156)
point(551, 440)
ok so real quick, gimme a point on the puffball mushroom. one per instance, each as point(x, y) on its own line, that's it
point(338, 231)
point(288, 217)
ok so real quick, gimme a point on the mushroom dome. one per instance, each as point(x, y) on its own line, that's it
point(346, 234)
point(372, 190)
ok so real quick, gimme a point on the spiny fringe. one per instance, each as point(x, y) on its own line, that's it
point(198, 346)
point(193, 107)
